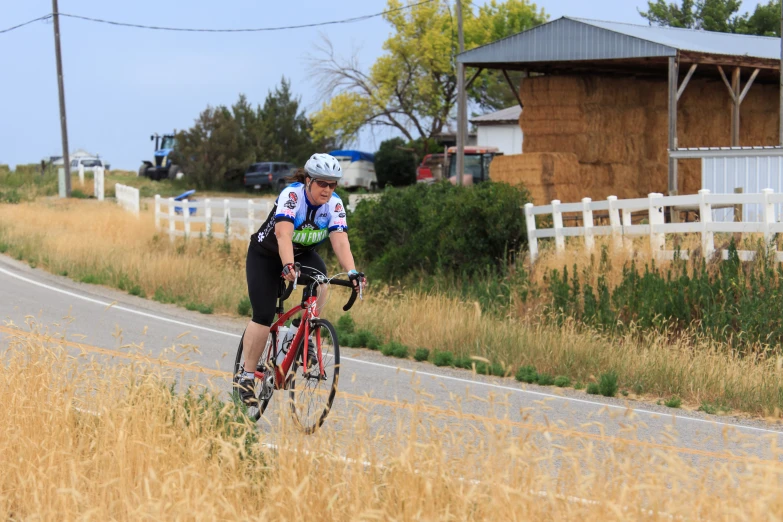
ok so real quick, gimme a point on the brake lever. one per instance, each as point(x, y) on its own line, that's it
point(297, 270)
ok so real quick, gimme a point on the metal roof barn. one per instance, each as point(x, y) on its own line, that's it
point(573, 45)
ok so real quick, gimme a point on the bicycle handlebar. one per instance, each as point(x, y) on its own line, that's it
point(304, 278)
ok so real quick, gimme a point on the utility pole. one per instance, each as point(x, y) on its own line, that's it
point(462, 101)
point(61, 88)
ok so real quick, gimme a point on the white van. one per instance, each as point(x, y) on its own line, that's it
point(358, 169)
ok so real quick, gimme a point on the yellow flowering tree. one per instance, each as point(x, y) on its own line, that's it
point(412, 87)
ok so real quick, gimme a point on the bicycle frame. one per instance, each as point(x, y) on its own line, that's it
point(281, 371)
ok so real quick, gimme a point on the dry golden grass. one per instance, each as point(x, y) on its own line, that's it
point(86, 239)
point(81, 440)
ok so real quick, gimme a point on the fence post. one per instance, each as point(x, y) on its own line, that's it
point(208, 216)
point(587, 222)
point(81, 174)
point(738, 208)
point(532, 240)
point(186, 217)
point(250, 218)
point(627, 221)
point(768, 211)
point(657, 239)
point(557, 221)
point(98, 182)
point(227, 218)
point(157, 211)
point(172, 223)
point(614, 222)
point(705, 216)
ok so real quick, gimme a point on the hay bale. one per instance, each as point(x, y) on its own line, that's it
point(545, 175)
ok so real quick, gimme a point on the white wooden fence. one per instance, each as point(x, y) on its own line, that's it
point(216, 216)
point(621, 227)
point(127, 197)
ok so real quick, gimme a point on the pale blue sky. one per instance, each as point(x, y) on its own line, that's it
point(123, 84)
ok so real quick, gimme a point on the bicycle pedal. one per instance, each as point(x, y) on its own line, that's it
point(267, 387)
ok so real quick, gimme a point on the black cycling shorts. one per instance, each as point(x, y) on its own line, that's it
point(263, 280)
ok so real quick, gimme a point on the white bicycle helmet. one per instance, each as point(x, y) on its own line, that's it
point(324, 166)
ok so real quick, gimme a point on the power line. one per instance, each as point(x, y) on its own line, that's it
point(45, 17)
point(251, 30)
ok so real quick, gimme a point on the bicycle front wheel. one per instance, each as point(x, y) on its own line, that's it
point(312, 393)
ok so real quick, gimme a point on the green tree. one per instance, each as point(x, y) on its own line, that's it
point(412, 86)
point(395, 163)
point(715, 15)
point(764, 21)
point(212, 147)
point(285, 126)
point(223, 142)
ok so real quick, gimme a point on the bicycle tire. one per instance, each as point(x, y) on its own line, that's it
point(253, 411)
point(331, 360)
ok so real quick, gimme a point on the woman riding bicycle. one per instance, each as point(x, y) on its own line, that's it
point(305, 214)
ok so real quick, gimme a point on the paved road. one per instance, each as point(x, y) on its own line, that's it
point(368, 380)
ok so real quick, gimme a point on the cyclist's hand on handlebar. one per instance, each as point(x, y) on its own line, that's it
point(290, 272)
point(357, 278)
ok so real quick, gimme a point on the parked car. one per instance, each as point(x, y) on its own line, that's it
point(88, 163)
point(431, 168)
point(268, 174)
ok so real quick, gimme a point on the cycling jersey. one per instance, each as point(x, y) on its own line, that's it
point(312, 224)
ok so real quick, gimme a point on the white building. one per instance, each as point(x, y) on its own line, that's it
point(500, 129)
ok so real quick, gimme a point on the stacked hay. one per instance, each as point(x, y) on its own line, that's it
point(547, 175)
point(618, 129)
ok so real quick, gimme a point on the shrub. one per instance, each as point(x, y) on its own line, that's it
point(395, 349)
point(421, 354)
point(713, 409)
point(244, 308)
point(527, 374)
point(394, 166)
point(673, 402)
point(202, 308)
point(561, 381)
point(93, 279)
point(374, 343)
point(348, 340)
point(137, 291)
point(497, 370)
point(443, 359)
point(440, 227)
point(544, 379)
point(346, 324)
point(79, 194)
point(466, 363)
point(400, 350)
point(579, 385)
point(608, 384)
point(731, 301)
point(367, 338)
point(593, 388)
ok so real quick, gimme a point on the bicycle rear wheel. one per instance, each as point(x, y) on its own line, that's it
point(255, 411)
point(312, 395)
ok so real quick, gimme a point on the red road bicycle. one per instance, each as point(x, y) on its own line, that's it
point(308, 379)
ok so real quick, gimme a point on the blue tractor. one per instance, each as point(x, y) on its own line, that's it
point(163, 167)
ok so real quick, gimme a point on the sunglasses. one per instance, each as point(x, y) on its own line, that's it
point(325, 184)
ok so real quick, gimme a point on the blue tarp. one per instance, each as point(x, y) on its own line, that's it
point(182, 196)
point(355, 155)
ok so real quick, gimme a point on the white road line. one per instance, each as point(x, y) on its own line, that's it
point(396, 368)
point(115, 307)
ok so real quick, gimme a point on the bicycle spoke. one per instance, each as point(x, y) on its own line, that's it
point(312, 392)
